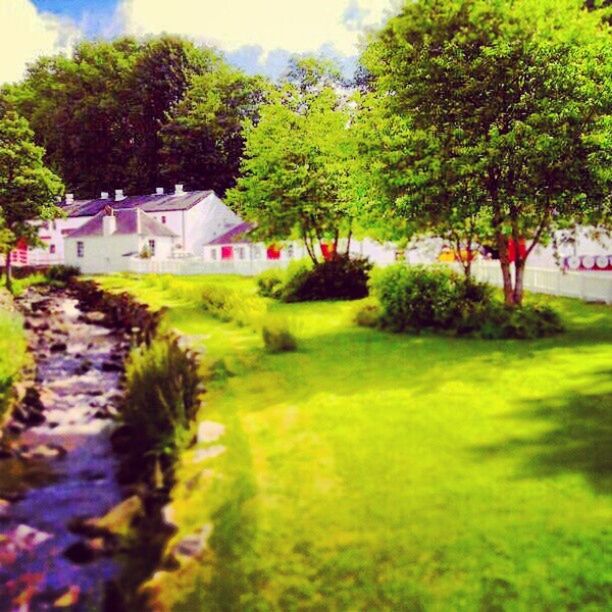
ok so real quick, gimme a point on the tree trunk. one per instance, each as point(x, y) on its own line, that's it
point(504, 262)
point(7, 268)
point(348, 241)
point(519, 271)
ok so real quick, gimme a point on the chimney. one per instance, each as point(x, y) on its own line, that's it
point(159, 191)
point(119, 195)
point(109, 222)
point(104, 195)
point(69, 198)
point(178, 190)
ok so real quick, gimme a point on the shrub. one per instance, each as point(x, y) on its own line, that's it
point(61, 273)
point(340, 278)
point(368, 315)
point(277, 336)
point(162, 392)
point(419, 297)
point(228, 304)
point(270, 283)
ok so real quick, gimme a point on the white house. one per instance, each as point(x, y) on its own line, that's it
point(196, 217)
point(108, 241)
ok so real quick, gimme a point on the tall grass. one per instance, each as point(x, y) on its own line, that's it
point(12, 349)
point(162, 392)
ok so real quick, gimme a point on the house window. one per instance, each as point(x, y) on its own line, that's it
point(290, 253)
point(213, 253)
point(163, 219)
point(240, 252)
point(52, 249)
point(256, 253)
point(80, 249)
point(152, 248)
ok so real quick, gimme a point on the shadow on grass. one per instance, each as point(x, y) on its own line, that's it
point(579, 439)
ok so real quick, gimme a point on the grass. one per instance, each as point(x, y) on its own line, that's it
point(378, 471)
point(12, 349)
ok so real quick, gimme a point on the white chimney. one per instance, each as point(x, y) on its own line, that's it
point(178, 190)
point(109, 222)
point(104, 195)
point(119, 195)
point(159, 191)
point(69, 198)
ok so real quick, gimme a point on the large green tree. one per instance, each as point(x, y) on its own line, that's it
point(163, 72)
point(296, 161)
point(203, 138)
point(504, 113)
point(104, 114)
point(28, 189)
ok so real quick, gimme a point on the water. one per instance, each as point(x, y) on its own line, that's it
point(64, 467)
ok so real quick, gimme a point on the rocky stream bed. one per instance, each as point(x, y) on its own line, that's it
point(65, 512)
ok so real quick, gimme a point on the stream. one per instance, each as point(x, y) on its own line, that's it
point(57, 466)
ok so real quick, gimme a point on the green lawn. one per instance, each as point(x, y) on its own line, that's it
point(12, 348)
point(377, 471)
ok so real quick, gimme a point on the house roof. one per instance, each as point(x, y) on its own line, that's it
point(233, 235)
point(148, 203)
point(130, 221)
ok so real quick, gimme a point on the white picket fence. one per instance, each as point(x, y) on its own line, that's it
point(192, 266)
point(588, 286)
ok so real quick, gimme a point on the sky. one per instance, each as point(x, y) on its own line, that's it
point(256, 35)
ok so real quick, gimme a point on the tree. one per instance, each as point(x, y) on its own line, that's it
point(505, 114)
point(296, 161)
point(79, 108)
point(162, 74)
point(28, 189)
point(203, 139)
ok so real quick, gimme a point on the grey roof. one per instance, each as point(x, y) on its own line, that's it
point(127, 223)
point(148, 203)
point(236, 234)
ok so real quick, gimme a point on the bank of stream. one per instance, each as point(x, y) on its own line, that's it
point(74, 533)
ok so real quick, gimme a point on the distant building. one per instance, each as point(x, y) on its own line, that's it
point(196, 217)
point(108, 240)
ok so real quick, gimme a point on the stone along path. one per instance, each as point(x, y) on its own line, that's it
point(56, 461)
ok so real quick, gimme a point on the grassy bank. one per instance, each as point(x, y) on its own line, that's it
point(12, 348)
point(372, 471)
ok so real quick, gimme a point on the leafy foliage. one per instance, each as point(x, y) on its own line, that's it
point(28, 188)
point(138, 114)
point(296, 161)
point(228, 304)
point(415, 298)
point(61, 274)
point(493, 120)
point(162, 392)
point(277, 335)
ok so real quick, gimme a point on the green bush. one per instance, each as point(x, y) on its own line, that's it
point(62, 273)
point(270, 283)
point(340, 278)
point(413, 298)
point(368, 315)
point(277, 335)
point(228, 304)
point(162, 392)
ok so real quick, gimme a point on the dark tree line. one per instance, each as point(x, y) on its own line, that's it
point(138, 114)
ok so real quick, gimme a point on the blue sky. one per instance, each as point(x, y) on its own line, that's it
point(257, 35)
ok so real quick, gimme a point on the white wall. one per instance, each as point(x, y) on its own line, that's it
point(104, 254)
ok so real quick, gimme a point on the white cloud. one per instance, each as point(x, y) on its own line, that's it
point(297, 26)
point(26, 34)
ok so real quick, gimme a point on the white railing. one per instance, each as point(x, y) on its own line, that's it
point(193, 266)
point(588, 286)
